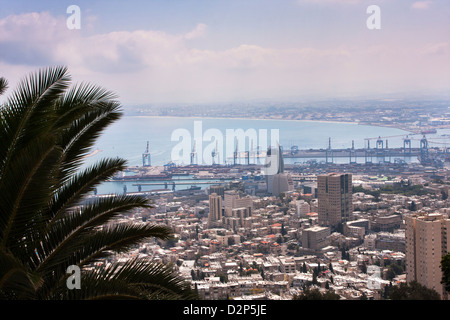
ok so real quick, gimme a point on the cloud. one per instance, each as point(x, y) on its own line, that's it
point(29, 38)
point(344, 2)
point(155, 66)
point(421, 4)
point(199, 31)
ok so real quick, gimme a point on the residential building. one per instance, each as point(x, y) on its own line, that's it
point(427, 240)
point(215, 210)
point(335, 198)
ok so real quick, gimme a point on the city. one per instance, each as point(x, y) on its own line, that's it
point(225, 158)
point(349, 229)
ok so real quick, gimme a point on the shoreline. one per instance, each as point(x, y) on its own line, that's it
point(266, 119)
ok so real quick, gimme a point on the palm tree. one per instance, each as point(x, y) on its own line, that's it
point(47, 222)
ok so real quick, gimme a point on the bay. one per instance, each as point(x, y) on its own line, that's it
point(127, 138)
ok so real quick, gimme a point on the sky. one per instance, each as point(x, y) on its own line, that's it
point(207, 51)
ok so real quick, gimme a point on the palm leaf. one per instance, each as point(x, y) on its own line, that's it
point(29, 113)
point(3, 85)
point(67, 231)
point(135, 279)
point(47, 220)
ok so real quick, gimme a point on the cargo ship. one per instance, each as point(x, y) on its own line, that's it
point(428, 131)
point(158, 177)
point(142, 173)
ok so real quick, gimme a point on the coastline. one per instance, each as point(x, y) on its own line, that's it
point(274, 119)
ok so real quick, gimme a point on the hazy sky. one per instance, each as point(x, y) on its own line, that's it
point(224, 50)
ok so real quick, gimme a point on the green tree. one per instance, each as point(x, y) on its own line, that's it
point(314, 279)
point(412, 291)
point(364, 267)
point(413, 206)
point(283, 230)
point(315, 294)
point(445, 266)
point(47, 221)
point(222, 276)
point(304, 268)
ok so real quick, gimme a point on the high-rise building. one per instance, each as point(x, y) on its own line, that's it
point(219, 190)
point(215, 210)
point(427, 240)
point(277, 181)
point(334, 193)
point(236, 209)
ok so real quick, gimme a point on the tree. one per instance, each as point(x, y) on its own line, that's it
point(304, 268)
point(47, 223)
point(315, 294)
point(364, 267)
point(445, 266)
point(314, 279)
point(412, 291)
point(283, 230)
point(413, 206)
point(222, 276)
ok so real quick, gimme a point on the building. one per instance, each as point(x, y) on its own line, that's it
point(427, 240)
point(334, 192)
point(229, 198)
point(387, 223)
point(281, 183)
point(232, 200)
point(215, 210)
point(302, 208)
point(237, 211)
point(316, 238)
point(217, 189)
point(277, 181)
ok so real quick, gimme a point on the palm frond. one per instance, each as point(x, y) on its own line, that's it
point(3, 85)
point(78, 139)
point(82, 221)
point(117, 238)
point(81, 184)
point(15, 275)
point(47, 219)
point(25, 192)
point(29, 112)
point(137, 278)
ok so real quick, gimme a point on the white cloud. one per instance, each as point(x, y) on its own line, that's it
point(199, 31)
point(329, 1)
point(154, 66)
point(421, 4)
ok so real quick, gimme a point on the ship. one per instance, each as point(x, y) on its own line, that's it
point(428, 131)
point(158, 177)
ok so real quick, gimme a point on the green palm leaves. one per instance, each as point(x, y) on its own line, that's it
point(46, 224)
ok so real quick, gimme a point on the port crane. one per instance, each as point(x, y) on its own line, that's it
point(146, 159)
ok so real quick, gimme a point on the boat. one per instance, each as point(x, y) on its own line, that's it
point(428, 131)
point(161, 176)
